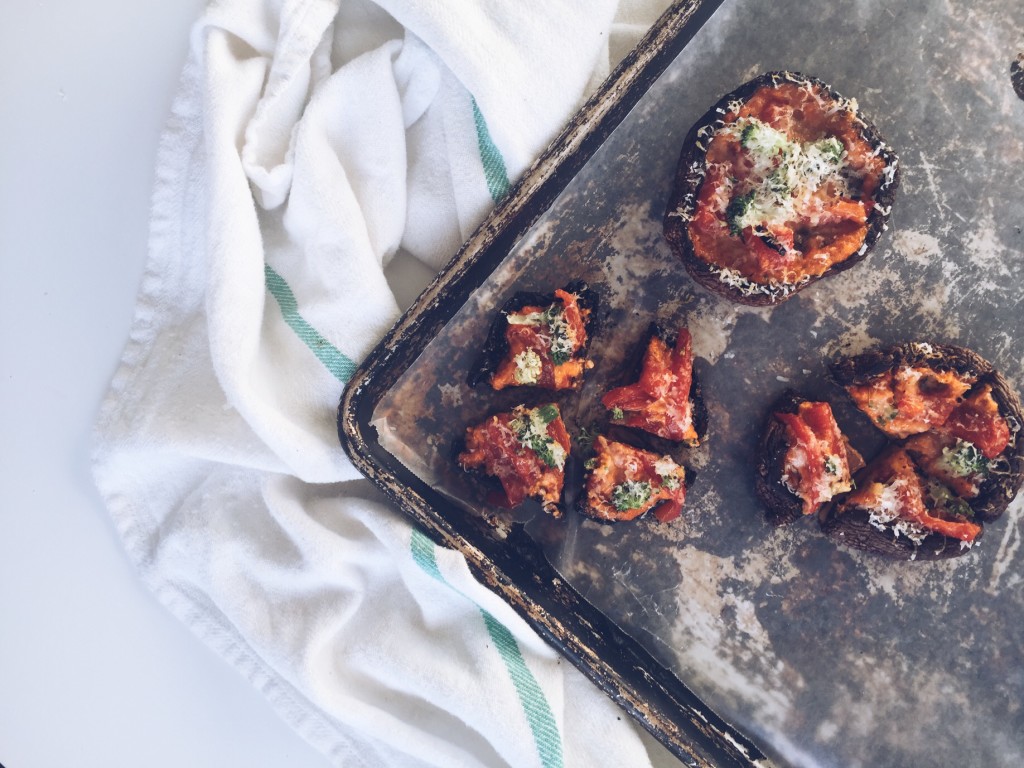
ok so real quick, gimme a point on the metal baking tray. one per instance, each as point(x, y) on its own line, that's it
point(735, 643)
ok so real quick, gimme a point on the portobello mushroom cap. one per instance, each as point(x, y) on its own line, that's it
point(633, 370)
point(488, 487)
point(627, 515)
point(691, 171)
point(495, 347)
point(782, 506)
point(852, 528)
point(1006, 473)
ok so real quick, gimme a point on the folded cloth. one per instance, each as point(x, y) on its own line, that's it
point(310, 142)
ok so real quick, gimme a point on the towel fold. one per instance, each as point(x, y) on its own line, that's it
point(310, 142)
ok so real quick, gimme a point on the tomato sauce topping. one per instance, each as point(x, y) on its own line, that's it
point(525, 450)
point(910, 400)
point(626, 482)
point(788, 189)
point(894, 495)
point(545, 345)
point(817, 465)
point(659, 402)
point(977, 420)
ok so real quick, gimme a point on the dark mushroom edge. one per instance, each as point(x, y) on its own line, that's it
point(853, 528)
point(632, 372)
point(1017, 75)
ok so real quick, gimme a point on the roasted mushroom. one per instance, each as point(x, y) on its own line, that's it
point(781, 183)
point(957, 417)
point(897, 511)
point(539, 340)
point(525, 449)
point(624, 482)
point(804, 460)
point(955, 460)
point(665, 400)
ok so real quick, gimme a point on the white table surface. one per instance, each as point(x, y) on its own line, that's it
point(93, 671)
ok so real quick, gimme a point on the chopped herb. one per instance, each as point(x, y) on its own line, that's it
point(631, 494)
point(585, 439)
point(832, 147)
point(559, 354)
point(778, 182)
point(530, 427)
point(831, 465)
point(671, 482)
point(944, 499)
point(618, 414)
point(748, 133)
point(890, 414)
point(562, 343)
point(964, 459)
point(548, 413)
point(590, 463)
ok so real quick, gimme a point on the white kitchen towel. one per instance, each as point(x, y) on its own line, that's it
point(310, 142)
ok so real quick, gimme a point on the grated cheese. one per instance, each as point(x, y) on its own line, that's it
point(531, 430)
point(886, 516)
point(786, 175)
point(748, 287)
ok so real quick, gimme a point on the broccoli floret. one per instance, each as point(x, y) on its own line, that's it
point(737, 208)
point(631, 494)
point(748, 133)
point(964, 459)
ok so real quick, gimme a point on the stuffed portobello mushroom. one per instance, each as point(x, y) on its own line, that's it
point(525, 450)
point(780, 184)
point(539, 340)
point(896, 510)
point(624, 482)
point(956, 455)
point(665, 398)
point(804, 460)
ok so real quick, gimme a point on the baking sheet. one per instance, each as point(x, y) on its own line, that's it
point(824, 656)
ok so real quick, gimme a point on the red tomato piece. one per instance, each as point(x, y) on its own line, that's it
point(977, 420)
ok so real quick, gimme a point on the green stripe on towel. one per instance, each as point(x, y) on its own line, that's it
point(535, 705)
point(333, 359)
point(495, 172)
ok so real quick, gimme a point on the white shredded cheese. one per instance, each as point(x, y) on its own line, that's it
point(886, 516)
point(786, 174)
point(748, 287)
point(666, 467)
point(532, 432)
